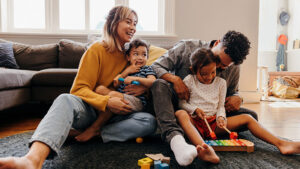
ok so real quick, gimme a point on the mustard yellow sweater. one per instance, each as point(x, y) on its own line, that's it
point(97, 67)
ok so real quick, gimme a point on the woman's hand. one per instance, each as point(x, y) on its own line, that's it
point(181, 90)
point(118, 106)
point(200, 113)
point(135, 90)
point(221, 122)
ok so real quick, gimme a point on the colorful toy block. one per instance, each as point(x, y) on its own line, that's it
point(146, 160)
point(156, 164)
point(164, 166)
point(145, 166)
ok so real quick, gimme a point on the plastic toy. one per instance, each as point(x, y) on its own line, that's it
point(156, 164)
point(164, 166)
point(133, 82)
point(145, 166)
point(139, 139)
point(231, 145)
point(146, 160)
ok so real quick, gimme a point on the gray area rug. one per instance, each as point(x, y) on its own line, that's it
point(95, 154)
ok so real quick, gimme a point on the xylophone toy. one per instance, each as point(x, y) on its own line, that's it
point(231, 145)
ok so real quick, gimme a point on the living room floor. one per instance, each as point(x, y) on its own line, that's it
point(281, 118)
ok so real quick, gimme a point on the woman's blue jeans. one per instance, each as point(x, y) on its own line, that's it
point(69, 111)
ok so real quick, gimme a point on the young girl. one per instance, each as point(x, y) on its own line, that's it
point(207, 98)
point(136, 54)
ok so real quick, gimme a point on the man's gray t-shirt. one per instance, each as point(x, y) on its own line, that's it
point(177, 61)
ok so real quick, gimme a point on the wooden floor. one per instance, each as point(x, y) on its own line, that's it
point(281, 118)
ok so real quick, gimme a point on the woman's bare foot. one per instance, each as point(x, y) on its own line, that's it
point(289, 147)
point(207, 153)
point(87, 134)
point(18, 163)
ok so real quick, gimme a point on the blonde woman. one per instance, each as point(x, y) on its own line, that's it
point(99, 65)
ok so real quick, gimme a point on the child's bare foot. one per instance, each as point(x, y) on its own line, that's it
point(73, 133)
point(87, 134)
point(289, 147)
point(18, 163)
point(207, 153)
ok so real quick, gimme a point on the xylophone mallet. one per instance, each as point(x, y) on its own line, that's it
point(211, 133)
point(233, 135)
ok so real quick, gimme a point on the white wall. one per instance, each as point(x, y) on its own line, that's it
point(270, 29)
point(209, 20)
point(205, 20)
point(293, 55)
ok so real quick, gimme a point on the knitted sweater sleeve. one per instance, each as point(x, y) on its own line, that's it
point(86, 79)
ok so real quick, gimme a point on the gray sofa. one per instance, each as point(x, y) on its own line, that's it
point(45, 72)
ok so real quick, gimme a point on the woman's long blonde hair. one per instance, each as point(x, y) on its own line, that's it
point(110, 35)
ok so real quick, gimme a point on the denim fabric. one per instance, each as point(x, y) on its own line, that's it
point(69, 111)
point(134, 102)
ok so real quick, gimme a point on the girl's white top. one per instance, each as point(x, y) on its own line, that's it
point(208, 97)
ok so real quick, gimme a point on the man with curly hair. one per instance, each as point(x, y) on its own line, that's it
point(174, 66)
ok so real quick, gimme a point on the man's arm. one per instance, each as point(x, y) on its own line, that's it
point(233, 100)
point(178, 85)
point(167, 63)
point(233, 81)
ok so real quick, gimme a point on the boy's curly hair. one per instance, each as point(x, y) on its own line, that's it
point(135, 44)
point(202, 57)
point(236, 46)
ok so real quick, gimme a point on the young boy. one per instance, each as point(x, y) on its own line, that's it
point(137, 54)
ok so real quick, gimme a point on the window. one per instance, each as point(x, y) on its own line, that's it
point(81, 16)
point(25, 17)
point(72, 16)
point(148, 17)
point(98, 12)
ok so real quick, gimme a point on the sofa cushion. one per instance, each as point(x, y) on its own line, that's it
point(154, 53)
point(15, 78)
point(54, 77)
point(36, 57)
point(7, 58)
point(70, 53)
point(14, 97)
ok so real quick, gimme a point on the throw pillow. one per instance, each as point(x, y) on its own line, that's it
point(154, 53)
point(7, 58)
point(70, 53)
point(36, 57)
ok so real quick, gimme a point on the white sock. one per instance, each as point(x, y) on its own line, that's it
point(184, 152)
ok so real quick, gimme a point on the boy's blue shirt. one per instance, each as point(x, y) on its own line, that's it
point(144, 72)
